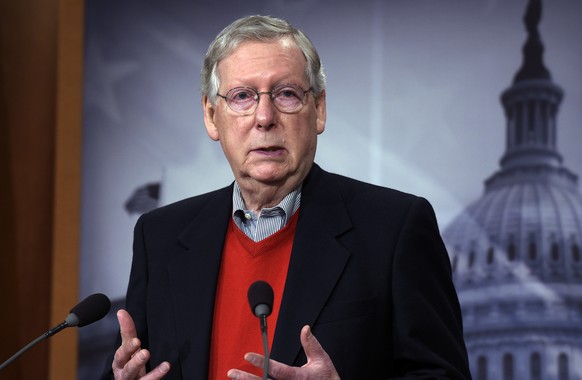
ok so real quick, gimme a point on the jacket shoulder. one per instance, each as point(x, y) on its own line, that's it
point(353, 190)
point(184, 210)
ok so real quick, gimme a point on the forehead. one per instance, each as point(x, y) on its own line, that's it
point(256, 60)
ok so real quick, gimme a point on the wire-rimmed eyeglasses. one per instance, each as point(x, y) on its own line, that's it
point(287, 98)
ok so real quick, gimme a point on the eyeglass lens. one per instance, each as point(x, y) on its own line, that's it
point(286, 98)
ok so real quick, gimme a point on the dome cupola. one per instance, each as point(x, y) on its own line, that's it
point(516, 252)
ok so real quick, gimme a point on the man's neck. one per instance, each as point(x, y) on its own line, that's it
point(258, 196)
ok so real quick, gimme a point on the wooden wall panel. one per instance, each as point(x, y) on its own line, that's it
point(40, 124)
point(67, 180)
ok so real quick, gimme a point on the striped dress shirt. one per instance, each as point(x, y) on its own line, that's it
point(270, 220)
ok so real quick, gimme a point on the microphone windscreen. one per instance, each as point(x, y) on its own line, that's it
point(90, 310)
point(261, 293)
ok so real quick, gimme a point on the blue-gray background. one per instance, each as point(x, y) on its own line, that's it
point(413, 101)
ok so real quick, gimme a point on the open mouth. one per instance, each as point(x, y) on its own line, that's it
point(270, 150)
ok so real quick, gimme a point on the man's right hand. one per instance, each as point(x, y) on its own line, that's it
point(130, 359)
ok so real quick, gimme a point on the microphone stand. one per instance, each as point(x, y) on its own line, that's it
point(260, 296)
point(44, 336)
point(90, 310)
point(265, 346)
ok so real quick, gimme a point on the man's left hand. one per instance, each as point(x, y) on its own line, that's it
point(318, 367)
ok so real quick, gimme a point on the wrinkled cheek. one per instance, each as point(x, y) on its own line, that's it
point(233, 155)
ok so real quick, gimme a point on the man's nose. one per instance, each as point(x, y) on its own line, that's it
point(265, 112)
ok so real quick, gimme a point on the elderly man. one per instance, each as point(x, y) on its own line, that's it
point(361, 277)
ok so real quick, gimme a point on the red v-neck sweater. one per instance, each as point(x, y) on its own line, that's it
point(236, 330)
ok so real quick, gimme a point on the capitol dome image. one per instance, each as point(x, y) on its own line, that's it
point(516, 252)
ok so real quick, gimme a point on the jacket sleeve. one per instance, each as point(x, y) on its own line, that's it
point(427, 325)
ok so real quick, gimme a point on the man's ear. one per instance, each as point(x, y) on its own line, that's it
point(320, 111)
point(209, 111)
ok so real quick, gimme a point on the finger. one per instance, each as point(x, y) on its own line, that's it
point(157, 373)
point(318, 359)
point(135, 366)
point(257, 360)
point(130, 344)
point(241, 375)
point(276, 369)
point(124, 354)
point(126, 325)
point(311, 346)
point(130, 360)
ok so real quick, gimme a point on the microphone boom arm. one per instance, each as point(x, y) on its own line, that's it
point(265, 346)
point(91, 309)
point(44, 336)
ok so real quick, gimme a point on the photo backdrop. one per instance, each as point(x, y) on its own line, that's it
point(412, 95)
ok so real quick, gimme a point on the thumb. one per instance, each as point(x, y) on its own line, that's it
point(311, 346)
point(318, 359)
point(126, 325)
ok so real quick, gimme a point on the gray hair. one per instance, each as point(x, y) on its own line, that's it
point(264, 29)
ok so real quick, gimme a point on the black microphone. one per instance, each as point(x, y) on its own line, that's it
point(90, 310)
point(261, 298)
point(261, 302)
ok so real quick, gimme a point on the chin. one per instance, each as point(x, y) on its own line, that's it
point(270, 177)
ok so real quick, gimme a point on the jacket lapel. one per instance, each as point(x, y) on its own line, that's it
point(193, 276)
point(317, 262)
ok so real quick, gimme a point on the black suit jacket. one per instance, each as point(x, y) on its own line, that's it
point(368, 271)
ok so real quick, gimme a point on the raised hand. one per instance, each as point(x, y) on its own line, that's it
point(130, 359)
point(318, 367)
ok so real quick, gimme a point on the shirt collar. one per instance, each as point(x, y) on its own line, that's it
point(288, 205)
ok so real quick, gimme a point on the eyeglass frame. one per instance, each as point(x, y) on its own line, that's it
point(258, 94)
